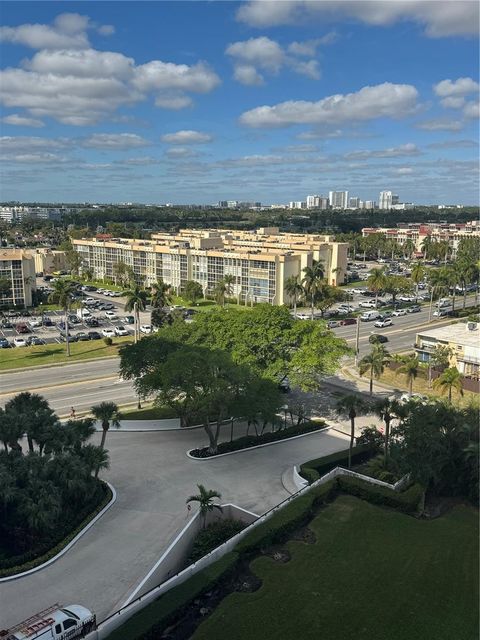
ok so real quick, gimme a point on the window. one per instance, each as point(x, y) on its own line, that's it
point(58, 628)
point(68, 624)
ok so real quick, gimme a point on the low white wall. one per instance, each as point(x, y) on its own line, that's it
point(298, 480)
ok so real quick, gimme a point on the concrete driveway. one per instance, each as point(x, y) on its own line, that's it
point(153, 477)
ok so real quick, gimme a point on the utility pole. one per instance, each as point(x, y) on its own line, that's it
point(357, 340)
point(135, 316)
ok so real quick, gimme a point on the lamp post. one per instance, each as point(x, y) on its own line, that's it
point(285, 409)
point(357, 340)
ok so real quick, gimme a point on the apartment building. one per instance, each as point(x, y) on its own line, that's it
point(338, 199)
point(417, 232)
point(463, 340)
point(260, 261)
point(48, 260)
point(17, 278)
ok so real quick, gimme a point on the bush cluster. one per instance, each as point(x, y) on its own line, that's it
point(407, 501)
point(252, 441)
point(212, 537)
point(314, 469)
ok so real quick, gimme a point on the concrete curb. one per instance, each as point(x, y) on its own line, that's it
point(55, 364)
point(44, 565)
point(257, 446)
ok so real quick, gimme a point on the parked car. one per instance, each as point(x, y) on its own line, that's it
point(415, 397)
point(406, 298)
point(128, 319)
point(146, 328)
point(19, 342)
point(47, 322)
point(4, 343)
point(377, 338)
point(331, 324)
point(35, 322)
point(369, 316)
point(399, 312)
point(34, 341)
point(94, 335)
point(82, 337)
point(416, 308)
point(368, 304)
point(111, 315)
point(108, 333)
point(92, 322)
point(442, 313)
point(6, 324)
point(109, 306)
point(347, 321)
point(55, 623)
point(121, 331)
point(71, 337)
point(383, 322)
point(284, 385)
point(21, 327)
point(74, 320)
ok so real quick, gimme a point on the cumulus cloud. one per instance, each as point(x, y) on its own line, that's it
point(115, 141)
point(186, 137)
point(453, 144)
point(453, 102)
point(440, 125)
point(27, 144)
point(472, 110)
point(22, 121)
point(459, 87)
point(257, 56)
point(78, 85)
point(408, 149)
point(439, 18)
point(403, 171)
point(380, 101)
point(180, 153)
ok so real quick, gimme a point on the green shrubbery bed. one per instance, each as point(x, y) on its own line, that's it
point(313, 469)
point(212, 537)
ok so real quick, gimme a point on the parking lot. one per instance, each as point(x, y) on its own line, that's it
point(48, 327)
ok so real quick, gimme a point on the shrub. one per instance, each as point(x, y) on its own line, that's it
point(309, 474)
point(108, 342)
point(252, 441)
point(323, 465)
point(149, 623)
point(406, 501)
point(213, 536)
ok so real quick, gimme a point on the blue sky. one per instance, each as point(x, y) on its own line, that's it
point(263, 100)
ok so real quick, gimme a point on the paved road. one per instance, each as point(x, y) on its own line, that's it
point(153, 477)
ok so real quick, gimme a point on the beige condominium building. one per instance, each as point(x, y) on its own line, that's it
point(17, 278)
point(260, 261)
point(463, 339)
point(48, 260)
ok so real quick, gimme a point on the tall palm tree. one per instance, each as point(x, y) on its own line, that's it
point(161, 294)
point(427, 244)
point(450, 379)
point(410, 368)
point(312, 281)
point(437, 283)
point(205, 501)
point(409, 248)
point(293, 289)
point(418, 271)
point(229, 281)
point(220, 291)
point(351, 406)
point(376, 282)
point(374, 363)
point(387, 410)
point(63, 295)
point(136, 302)
point(108, 415)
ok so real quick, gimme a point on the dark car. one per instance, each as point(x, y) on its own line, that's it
point(94, 335)
point(21, 327)
point(4, 343)
point(71, 338)
point(377, 338)
point(128, 319)
point(82, 337)
point(6, 324)
point(34, 341)
point(47, 322)
point(347, 321)
point(74, 320)
point(92, 322)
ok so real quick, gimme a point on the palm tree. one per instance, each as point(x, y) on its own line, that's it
point(376, 282)
point(311, 282)
point(136, 302)
point(450, 379)
point(220, 291)
point(437, 282)
point(351, 406)
point(387, 410)
point(109, 416)
point(293, 289)
point(427, 244)
point(409, 248)
point(411, 368)
point(205, 501)
point(229, 281)
point(161, 294)
point(62, 295)
point(374, 363)
point(418, 271)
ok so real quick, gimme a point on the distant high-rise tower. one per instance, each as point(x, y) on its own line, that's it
point(386, 199)
point(338, 199)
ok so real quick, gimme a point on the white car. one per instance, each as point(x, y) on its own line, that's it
point(415, 397)
point(441, 313)
point(111, 315)
point(367, 304)
point(400, 312)
point(108, 333)
point(146, 328)
point(406, 298)
point(35, 322)
point(121, 331)
point(19, 342)
point(383, 322)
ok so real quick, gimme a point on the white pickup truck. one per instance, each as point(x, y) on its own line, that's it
point(54, 623)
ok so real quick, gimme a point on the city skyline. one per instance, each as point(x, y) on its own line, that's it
point(265, 102)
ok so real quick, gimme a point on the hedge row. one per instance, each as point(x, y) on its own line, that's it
point(149, 623)
point(323, 465)
point(32, 559)
point(252, 441)
point(407, 501)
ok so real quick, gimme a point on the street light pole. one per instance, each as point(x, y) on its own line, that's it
point(357, 340)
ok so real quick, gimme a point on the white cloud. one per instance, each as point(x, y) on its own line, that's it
point(186, 137)
point(380, 101)
point(180, 153)
point(106, 30)
point(309, 47)
point(77, 85)
point(21, 121)
point(440, 125)
point(453, 144)
point(472, 110)
point(408, 149)
point(403, 171)
point(438, 17)
point(27, 144)
point(257, 56)
point(459, 87)
point(34, 158)
point(453, 102)
point(115, 141)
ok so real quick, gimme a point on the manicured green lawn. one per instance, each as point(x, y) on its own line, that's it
point(208, 305)
point(373, 574)
point(54, 353)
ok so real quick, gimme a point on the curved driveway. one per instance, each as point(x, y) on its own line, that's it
point(153, 477)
